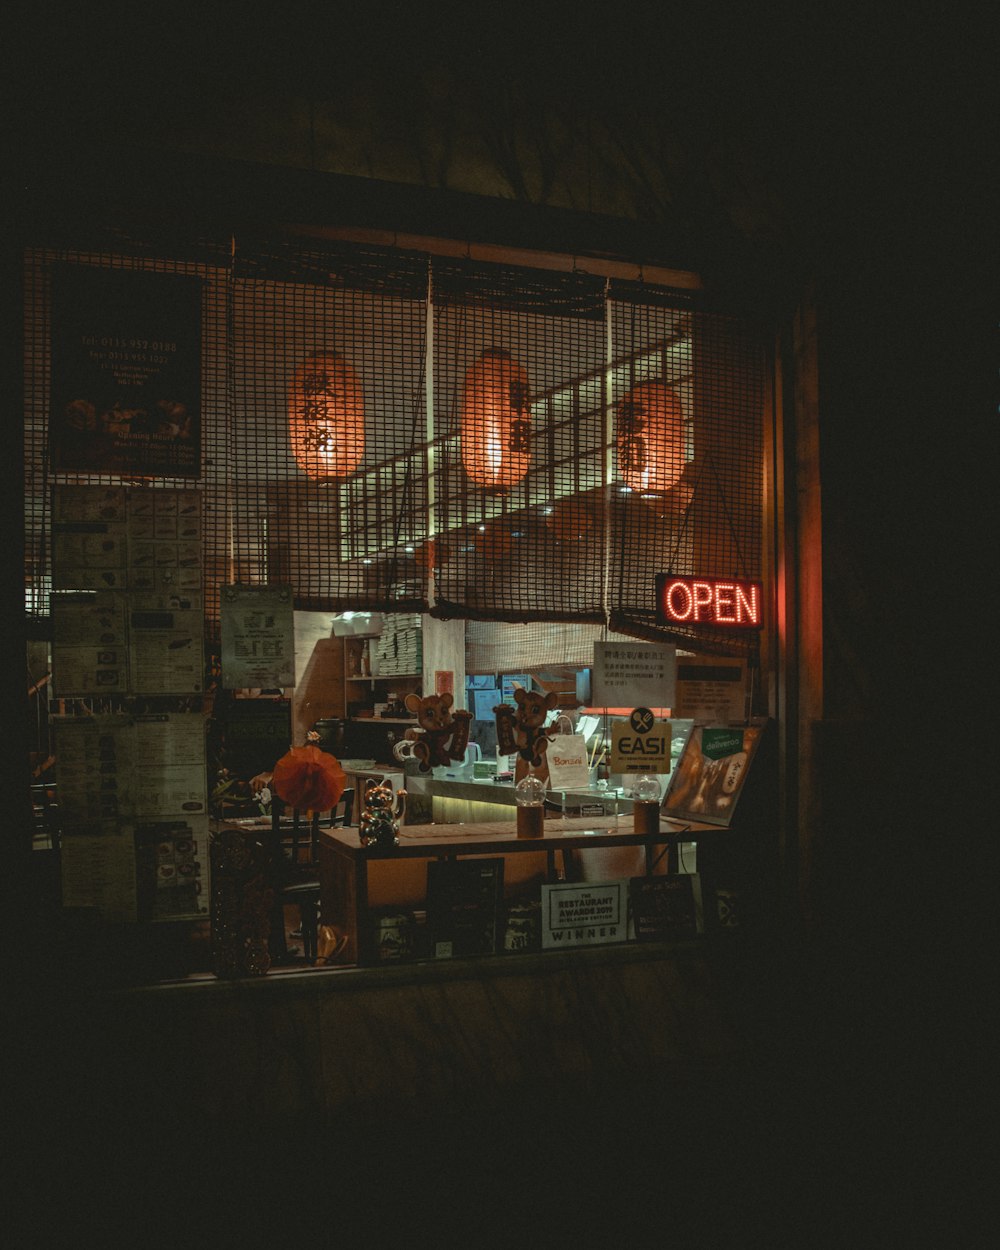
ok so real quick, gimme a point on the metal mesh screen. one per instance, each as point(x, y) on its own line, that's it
point(709, 522)
point(205, 262)
point(534, 349)
point(513, 506)
point(343, 539)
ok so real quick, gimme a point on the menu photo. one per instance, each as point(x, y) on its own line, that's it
point(712, 772)
point(172, 867)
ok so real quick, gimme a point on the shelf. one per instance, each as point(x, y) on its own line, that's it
point(387, 677)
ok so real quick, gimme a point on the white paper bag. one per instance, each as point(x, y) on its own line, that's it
point(568, 764)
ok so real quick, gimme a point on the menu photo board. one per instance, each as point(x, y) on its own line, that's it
point(134, 804)
point(126, 372)
point(172, 862)
point(95, 763)
point(127, 601)
point(712, 773)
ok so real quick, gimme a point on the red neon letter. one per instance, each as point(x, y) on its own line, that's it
point(672, 609)
point(747, 609)
point(702, 597)
point(723, 600)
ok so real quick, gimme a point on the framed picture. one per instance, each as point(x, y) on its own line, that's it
point(126, 372)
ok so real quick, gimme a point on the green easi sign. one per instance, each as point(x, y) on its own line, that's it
point(716, 744)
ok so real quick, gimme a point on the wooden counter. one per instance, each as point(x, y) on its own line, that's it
point(344, 861)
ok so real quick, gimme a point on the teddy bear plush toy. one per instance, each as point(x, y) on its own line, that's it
point(443, 735)
point(522, 729)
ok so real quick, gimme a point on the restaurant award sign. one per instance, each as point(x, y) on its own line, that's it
point(126, 372)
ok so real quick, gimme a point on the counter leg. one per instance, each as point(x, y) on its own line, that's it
point(363, 927)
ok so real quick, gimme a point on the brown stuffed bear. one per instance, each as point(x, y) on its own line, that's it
point(443, 734)
point(522, 730)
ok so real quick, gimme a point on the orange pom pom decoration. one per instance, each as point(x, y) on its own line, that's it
point(309, 779)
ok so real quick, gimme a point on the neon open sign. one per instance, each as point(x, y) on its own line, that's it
point(709, 601)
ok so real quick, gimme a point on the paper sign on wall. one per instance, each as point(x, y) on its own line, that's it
point(711, 689)
point(634, 674)
point(258, 637)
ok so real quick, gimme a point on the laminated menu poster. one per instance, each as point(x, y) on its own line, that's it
point(121, 775)
point(89, 538)
point(126, 372)
point(172, 868)
point(89, 644)
point(464, 902)
point(98, 871)
point(95, 763)
point(710, 777)
point(166, 644)
point(169, 753)
point(164, 530)
point(140, 551)
point(129, 766)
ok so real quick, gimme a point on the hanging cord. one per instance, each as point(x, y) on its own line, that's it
point(311, 105)
point(608, 435)
point(228, 493)
point(410, 457)
point(708, 465)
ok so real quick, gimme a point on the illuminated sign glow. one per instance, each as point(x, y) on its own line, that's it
point(708, 601)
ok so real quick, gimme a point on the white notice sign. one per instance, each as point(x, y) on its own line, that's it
point(258, 638)
point(634, 674)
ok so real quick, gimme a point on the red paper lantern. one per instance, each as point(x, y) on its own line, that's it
point(496, 420)
point(650, 427)
point(309, 779)
point(326, 418)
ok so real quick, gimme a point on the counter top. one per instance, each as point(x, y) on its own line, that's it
point(491, 837)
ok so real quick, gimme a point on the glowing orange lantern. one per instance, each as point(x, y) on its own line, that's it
point(496, 420)
point(650, 437)
point(326, 418)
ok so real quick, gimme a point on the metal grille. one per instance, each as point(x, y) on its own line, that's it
point(409, 528)
point(215, 483)
point(710, 522)
point(346, 543)
point(503, 553)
